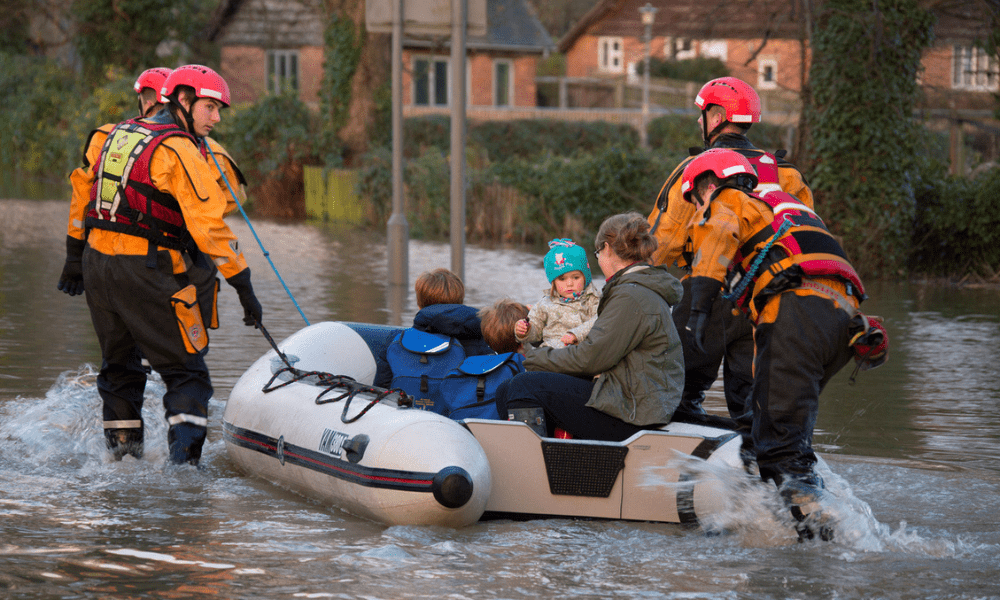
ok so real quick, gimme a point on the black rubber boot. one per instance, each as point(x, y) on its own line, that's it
point(184, 441)
point(124, 441)
point(802, 497)
point(534, 417)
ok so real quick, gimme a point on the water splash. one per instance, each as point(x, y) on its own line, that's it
point(755, 513)
point(65, 427)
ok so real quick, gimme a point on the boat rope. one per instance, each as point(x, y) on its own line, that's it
point(348, 386)
point(246, 218)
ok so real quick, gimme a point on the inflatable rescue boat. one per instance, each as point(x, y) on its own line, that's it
point(306, 417)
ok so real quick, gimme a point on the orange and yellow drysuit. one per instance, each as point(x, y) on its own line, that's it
point(784, 270)
point(730, 339)
point(154, 207)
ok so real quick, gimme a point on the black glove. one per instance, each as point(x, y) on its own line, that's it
point(252, 312)
point(696, 326)
point(703, 293)
point(71, 280)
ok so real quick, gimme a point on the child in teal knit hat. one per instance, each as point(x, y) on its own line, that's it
point(568, 308)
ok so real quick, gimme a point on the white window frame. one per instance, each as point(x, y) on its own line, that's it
point(714, 49)
point(763, 64)
point(675, 48)
point(497, 63)
point(974, 69)
point(611, 54)
point(433, 62)
point(282, 71)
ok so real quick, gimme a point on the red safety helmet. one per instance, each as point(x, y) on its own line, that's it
point(152, 79)
point(736, 97)
point(206, 83)
point(725, 163)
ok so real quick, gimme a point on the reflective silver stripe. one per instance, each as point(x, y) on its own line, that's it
point(792, 206)
point(133, 424)
point(78, 223)
point(219, 262)
point(192, 419)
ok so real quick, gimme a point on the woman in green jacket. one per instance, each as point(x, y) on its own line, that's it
point(628, 373)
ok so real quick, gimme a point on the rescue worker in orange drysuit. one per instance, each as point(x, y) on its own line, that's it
point(728, 107)
point(792, 278)
point(155, 209)
point(147, 87)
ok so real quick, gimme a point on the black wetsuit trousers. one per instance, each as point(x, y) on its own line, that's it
point(130, 308)
point(729, 343)
point(797, 354)
point(564, 399)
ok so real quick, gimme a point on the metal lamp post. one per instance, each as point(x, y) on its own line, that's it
point(648, 14)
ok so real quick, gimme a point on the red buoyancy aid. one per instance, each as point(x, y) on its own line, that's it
point(796, 244)
point(766, 166)
point(124, 198)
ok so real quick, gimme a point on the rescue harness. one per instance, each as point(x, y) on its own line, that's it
point(794, 245)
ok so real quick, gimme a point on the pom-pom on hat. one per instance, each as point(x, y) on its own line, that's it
point(565, 256)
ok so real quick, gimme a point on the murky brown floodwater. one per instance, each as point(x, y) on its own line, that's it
point(913, 448)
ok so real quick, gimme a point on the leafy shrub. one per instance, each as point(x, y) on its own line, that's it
point(529, 138)
point(34, 96)
point(957, 228)
point(271, 140)
point(275, 130)
point(520, 138)
point(584, 190)
point(700, 69)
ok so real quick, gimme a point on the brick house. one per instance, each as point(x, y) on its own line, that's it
point(269, 46)
point(764, 46)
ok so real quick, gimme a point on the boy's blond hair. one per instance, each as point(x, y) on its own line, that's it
point(498, 324)
point(439, 286)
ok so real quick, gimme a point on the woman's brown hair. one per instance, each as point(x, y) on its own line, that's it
point(628, 236)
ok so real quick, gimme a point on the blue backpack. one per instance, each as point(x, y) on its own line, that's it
point(469, 392)
point(420, 361)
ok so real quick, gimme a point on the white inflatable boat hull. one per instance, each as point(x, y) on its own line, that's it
point(415, 465)
point(408, 466)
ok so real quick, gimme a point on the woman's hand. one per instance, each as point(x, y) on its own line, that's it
point(521, 328)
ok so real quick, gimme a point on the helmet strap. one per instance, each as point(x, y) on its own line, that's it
point(718, 129)
point(188, 119)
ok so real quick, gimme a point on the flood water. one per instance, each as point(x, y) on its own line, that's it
point(913, 451)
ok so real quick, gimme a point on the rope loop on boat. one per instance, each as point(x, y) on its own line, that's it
point(347, 386)
point(348, 389)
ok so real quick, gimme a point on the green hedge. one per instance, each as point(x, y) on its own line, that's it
point(502, 140)
point(957, 229)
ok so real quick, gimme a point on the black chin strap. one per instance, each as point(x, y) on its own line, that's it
point(188, 119)
point(706, 134)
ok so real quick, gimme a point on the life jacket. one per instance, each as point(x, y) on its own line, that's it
point(795, 244)
point(124, 198)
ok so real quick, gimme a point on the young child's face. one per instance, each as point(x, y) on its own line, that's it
point(570, 283)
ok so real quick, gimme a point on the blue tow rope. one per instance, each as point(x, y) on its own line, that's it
point(752, 271)
point(267, 254)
